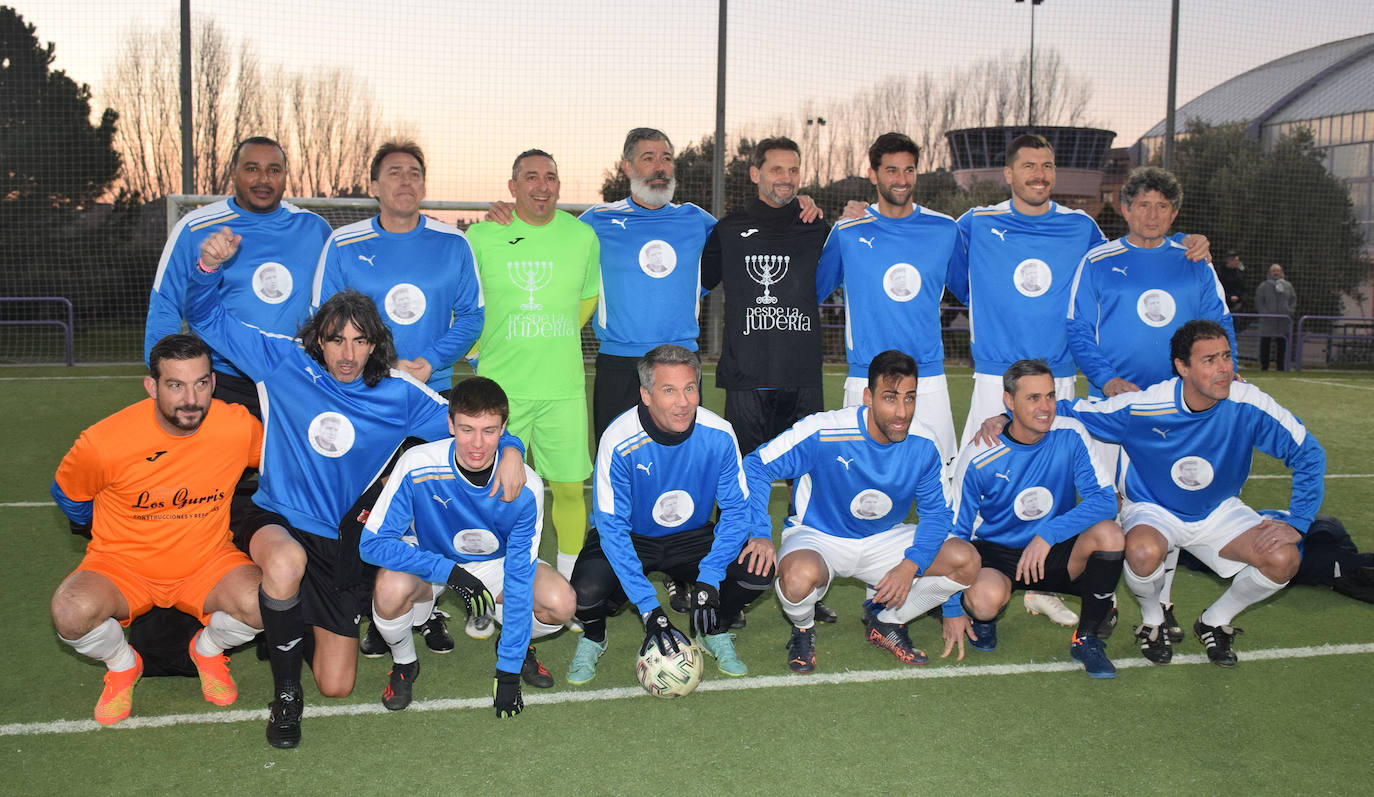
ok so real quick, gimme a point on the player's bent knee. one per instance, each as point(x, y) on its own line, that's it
point(1282, 562)
point(1106, 535)
point(555, 605)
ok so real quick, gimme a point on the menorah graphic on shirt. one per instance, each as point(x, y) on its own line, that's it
point(767, 270)
point(530, 275)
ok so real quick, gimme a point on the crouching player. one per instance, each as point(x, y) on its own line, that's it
point(661, 469)
point(467, 540)
point(1016, 499)
point(859, 470)
point(151, 485)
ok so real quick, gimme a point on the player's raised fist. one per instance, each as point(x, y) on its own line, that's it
point(219, 247)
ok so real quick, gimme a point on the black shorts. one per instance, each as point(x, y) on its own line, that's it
point(336, 609)
point(760, 415)
point(1004, 559)
point(615, 389)
point(678, 555)
point(238, 390)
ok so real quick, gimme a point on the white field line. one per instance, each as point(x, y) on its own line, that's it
point(624, 693)
point(1333, 384)
point(129, 377)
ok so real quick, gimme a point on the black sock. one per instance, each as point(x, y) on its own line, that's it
point(1100, 577)
point(284, 627)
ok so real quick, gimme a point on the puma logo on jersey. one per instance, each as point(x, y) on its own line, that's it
point(314, 377)
point(1163, 433)
point(516, 241)
point(999, 233)
point(368, 259)
point(442, 501)
point(643, 467)
point(1122, 269)
point(748, 232)
point(843, 461)
point(868, 241)
point(155, 455)
point(1001, 476)
point(287, 647)
point(621, 222)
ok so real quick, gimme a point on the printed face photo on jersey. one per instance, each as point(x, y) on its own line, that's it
point(657, 259)
point(1033, 502)
point(405, 303)
point(1155, 308)
point(1032, 277)
point(330, 434)
point(673, 508)
point(902, 282)
point(272, 282)
point(1191, 473)
point(475, 542)
point(870, 505)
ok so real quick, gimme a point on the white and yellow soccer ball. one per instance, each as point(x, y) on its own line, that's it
point(674, 675)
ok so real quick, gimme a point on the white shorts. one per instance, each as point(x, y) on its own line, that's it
point(868, 558)
point(492, 573)
point(987, 400)
point(1202, 538)
point(932, 409)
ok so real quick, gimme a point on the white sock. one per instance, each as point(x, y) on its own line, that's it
point(421, 612)
point(1146, 592)
point(1166, 590)
point(222, 633)
point(1250, 586)
point(105, 643)
point(925, 594)
point(565, 564)
point(803, 613)
point(397, 634)
point(540, 629)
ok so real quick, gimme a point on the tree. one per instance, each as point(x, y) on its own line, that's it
point(693, 166)
point(1273, 206)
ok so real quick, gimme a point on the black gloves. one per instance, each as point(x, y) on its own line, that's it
point(471, 591)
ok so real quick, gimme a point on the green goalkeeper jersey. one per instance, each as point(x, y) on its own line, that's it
point(534, 279)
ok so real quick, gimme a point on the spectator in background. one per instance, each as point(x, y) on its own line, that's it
point(1230, 277)
point(1275, 296)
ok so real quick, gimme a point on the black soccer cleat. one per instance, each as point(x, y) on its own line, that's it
point(1108, 625)
point(801, 650)
point(435, 633)
point(372, 645)
point(1170, 624)
point(1217, 639)
point(534, 673)
point(284, 717)
point(677, 595)
point(1154, 643)
point(825, 614)
point(401, 682)
point(893, 638)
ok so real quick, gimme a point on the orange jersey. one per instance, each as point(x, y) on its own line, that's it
point(161, 501)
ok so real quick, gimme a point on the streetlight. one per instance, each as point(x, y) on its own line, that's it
point(1030, 78)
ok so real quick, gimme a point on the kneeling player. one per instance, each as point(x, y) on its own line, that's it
point(1017, 497)
point(469, 541)
point(860, 470)
point(152, 484)
point(660, 470)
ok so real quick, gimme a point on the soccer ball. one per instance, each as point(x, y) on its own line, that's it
point(673, 675)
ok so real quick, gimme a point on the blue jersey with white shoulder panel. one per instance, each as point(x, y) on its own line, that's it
point(1189, 462)
point(266, 283)
point(650, 274)
point(424, 283)
point(850, 485)
point(1015, 279)
point(1126, 304)
point(893, 272)
point(655, 484)
point(456, 522)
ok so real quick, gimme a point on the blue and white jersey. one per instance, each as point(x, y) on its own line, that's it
point(424, 283)
point(657, 484)
point(266, 283)
point(650, 274)
point(1010, 493)
point(1126, 304)
point(456, 522)
point(324, 441)
point(893, 272)
point(1015, 279)
point(1189, 462)
point(850, 485)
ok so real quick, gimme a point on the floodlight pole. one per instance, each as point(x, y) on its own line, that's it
point(1030, 76)
point(188, 161)
point(718, 159)
point(1173, 90)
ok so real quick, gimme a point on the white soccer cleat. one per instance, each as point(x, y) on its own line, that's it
point(480, 626)
point(1049, 605)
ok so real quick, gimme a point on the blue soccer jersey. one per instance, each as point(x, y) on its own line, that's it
point(1126, 304)
point(266, 283)
point(850, 485)
point(650, 274)
point(424, 283)
point(1009, 493)
point(324, 441)
point(456, 522)
point(655, 484)
point(893, 272)
point(1015, 279)
point(1189, 462)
